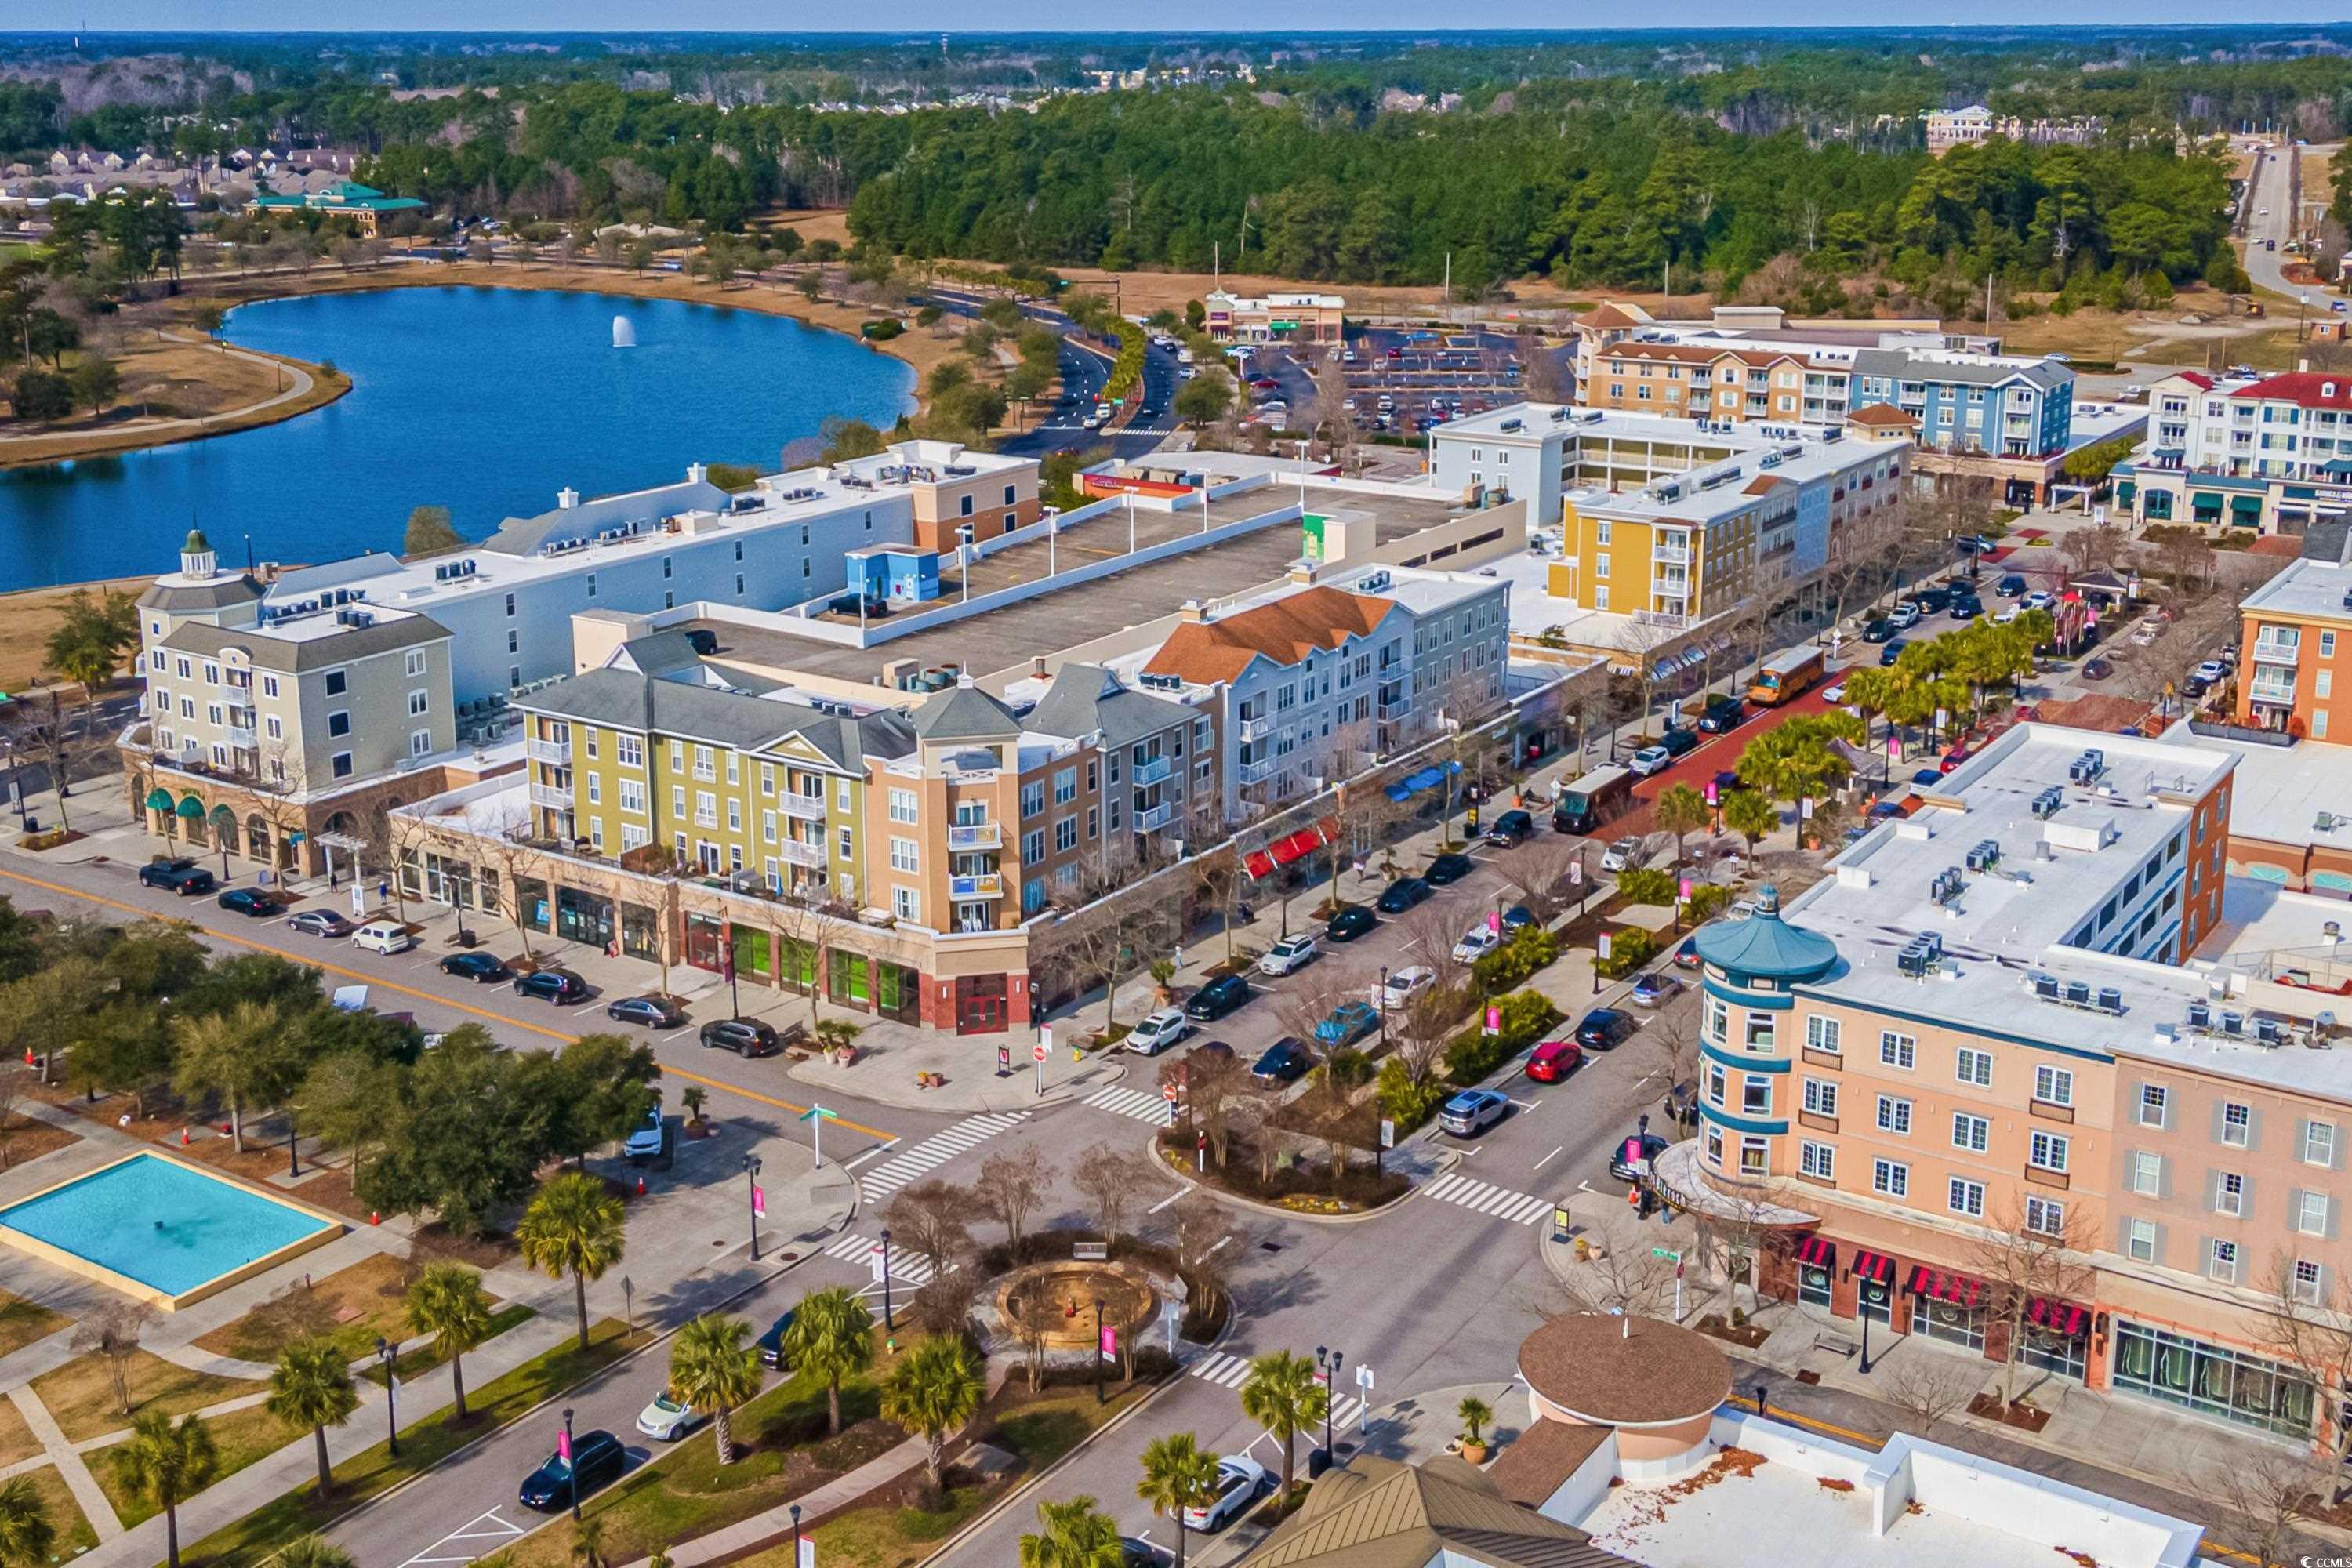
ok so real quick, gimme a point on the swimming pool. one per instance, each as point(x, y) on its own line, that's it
point(170, 1233)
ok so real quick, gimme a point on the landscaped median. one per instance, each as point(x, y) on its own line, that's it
point(423, 1444)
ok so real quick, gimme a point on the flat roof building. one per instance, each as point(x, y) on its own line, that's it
point(1295, 317)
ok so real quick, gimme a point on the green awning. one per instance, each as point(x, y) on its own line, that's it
point(2125, 491)
point(2247, 503)
point(223, 817)
point(159, 799)
point(190, 808)
point(2206, 497)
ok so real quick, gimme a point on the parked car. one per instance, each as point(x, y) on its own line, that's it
point(1904, 616)
point(1625, 855)
point(321, 922)
point(1878, 630)
point(1398, 897)
point(1218, 997)
point(1655, 990)
point(1686, 953)
point(644, 1140)
point(1554, 1060)
point(1475, 944)
point(1134, 1552)
point(481, 968)
point(1931, 600)
point(1284, 1061)
point(2097, 669)
point(1406, 984)
point(1510, 828)
point(2040, 599)
point(2012, 587)
point(556, 986)
point(385, 936)
point(1651, 759)
point(1602, 1028)
point(1289, 954)
point(597, 1460)
point(1678, 742)
point(653, 1012)
point(1890, 653)
point(2213, 671)
point(1680, 1105)
point(771, 1344)
point(1240, 1479)
point(1351, 923)
point(1645, 1146)
point(747, 1037)
point(253, 903)
point(1519, 917)
point(1447, 869)
point(1967, 609)
point(851, 604)
point(666, 1420)
point(1721, 713)
point(1473, 1112)
point(1159, 1031)
point(183, 877)
point(1347, 1024)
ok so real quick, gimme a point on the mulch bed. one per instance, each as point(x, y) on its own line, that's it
point(2022, 1416)
point(29, 1139)
point(1748, 1336)
point(1241, 1175)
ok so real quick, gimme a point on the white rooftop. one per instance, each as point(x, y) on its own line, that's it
point(2309, 588)
point(1535, 611)
point(2090, 423)
point(2283, 791)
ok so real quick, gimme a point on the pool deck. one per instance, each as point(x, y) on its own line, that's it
point(330, 1228)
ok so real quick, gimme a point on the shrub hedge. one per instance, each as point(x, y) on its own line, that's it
point(1630, 947)
point(1474, 1053)
point(1530, 948)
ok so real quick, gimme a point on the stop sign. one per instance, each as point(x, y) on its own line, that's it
point(1038, 1050)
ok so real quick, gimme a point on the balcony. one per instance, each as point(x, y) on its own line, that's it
point(799, 853)
point(555, 797)
point(985, 885)
point(240, 737)
point(1671, 555)
point(1391, 712)
point(2268, 689)
point(1260, 771)
point(802, 807)
point(1154, 771)
point(1253, 729)
point(2268, 649)
point(556, 751)
point(1155, 818)
point(976, 836)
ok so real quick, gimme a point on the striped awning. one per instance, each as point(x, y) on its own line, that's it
point(1873, 1266)
point(2062, 1318)
point(1937, 1285)
point(1259, 865)
point(1817, 1252)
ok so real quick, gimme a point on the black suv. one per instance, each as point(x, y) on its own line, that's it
point(1448, 868)
point(557, 985)
point(1602, 1028)
point(1218, 997)
point(1399, 896)
point(1510, 827)
point(480, 968)
point(744, 1037)
point(1722, 713)
point(1679, 742)
point(771, 1344)
point(597, 1460)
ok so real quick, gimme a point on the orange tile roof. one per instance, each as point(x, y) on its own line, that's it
point(1609, 314)
point(1880, 414)
point(1284, 631)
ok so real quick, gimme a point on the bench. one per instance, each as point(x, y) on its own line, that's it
point(1838, 1343)
point(1091, 1252)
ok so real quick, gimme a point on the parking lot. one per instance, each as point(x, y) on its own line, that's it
point(1403, 381)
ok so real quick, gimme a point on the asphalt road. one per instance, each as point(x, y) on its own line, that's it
point(1085, 370)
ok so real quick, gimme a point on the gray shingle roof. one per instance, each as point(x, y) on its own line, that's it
point(1086, 699)
point(623, 700)
point(527, 535)
point(657, 654)
point(194, 598)
point(292, 656)
point(965, 713)
point(1901, 365)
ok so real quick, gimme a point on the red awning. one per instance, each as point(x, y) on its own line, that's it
point(1876, 1266)
point(1285, 850)
point(1258, 865)
point(1818, 1252)
point(1956, 1289)
point(2062, 1318)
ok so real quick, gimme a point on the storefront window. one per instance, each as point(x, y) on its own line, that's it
point(530, 897)
point(706, 944)
point(584, 918)
point(796, 964)
point(412, 874)
point(2213, 1380)
point(751, 955)
point(897, 992)
point(2064, 1354)
point(1876, 1300)
point(1813, 1285)
point(1948, 1321)
point(641, 933)
point(851, 982)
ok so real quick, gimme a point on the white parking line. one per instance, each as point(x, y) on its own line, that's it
point(501, 1531)
point(1171, 1198)
point(1547, 1160)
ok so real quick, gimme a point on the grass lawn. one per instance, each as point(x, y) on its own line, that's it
point(74, 1532)
point(241, 1436)
point(415, 1364)
point(780, 1453)
point(349, 1309)
point(80, 1393)
point(17, 1439)
point(365, 1475)
point(23, 1322)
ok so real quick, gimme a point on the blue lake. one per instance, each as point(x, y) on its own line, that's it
point(486, 401)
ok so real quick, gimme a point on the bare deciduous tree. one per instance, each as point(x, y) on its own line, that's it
point(1213, 1088)
point(113, 1332)
point(2265, 1496)
point(1620, 1274)
point(814, 925)
point(1112, 1181)
point(1012, 1185)
point(1538, 871)
point(1927, 1388)
point(1202, 1226)
point(933, 1219)
point(2315, 1334)
point(2019, 1263)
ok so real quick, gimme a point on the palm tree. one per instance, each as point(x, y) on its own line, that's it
point(933, 1391)
point(1076, 1535)
point(166, 1465)
point(312, 1386)
point(1282, 1395)
point(832, 1336)
point(1475, 1413)
point(1681, 811)
point(588, 1542)
point(448, 1302)
point(573, 1227)
point(711, 1369)
point(26, 1534)
point(1752, 814)
point(315, 1551)
point(1178, 1474)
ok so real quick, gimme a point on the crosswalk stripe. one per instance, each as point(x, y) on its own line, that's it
point(1225, 1371)
point(1445, 1185)
point(1135, 1103)
point(906, 1267)
point(1487, 1198)
point(933, 1151)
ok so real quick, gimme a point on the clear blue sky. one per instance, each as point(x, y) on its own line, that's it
point(578, 15)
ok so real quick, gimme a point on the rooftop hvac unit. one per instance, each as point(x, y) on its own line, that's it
point(2233, 1022)
point(2045, 987)
point(1560, 414)
point(1509, 425)
point(2268, 1032)
point(2200, 1017)
point(2078, 993)
point(2049, 803)
point(1768, 460)
point(2111, 1000)
point(1985, 855)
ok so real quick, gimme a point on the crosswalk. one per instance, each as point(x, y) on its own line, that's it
point(934, 1151)
point(1139, 1103)
point(1500, 1203)
point(1233, 1371)
point(906, 1267)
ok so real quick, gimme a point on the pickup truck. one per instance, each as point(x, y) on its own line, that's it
point(183, 876)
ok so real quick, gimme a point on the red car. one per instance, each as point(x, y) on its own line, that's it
point(1554, 1060)
point(1955, 757)
point(1266, 383)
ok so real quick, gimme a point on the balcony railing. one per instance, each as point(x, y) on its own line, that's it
point(557, 797)
point(2277, 650)
point(1391, 712)
point(1154, 771)
point(986, 885)
point(556, 751)
point(1255, 729)
point(241, 737)
point(804, 807)
point(1256, 771)
point(1671, 555)
point(1156, 818)
point(802, 854)
point(976, 836)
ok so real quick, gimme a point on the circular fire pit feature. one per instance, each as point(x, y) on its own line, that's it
point(1069, 1291)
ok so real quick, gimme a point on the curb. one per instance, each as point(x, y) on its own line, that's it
point(1450, 1157)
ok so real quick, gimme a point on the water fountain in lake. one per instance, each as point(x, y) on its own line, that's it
point(624, 332)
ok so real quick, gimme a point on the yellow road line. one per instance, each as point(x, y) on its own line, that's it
point(310, 962)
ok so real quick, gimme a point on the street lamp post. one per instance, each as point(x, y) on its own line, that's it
point(796, 1536)
point(293, 1161)
point(1385, 1003)
point(1099, 1395)
point(389, 1354)
point(1861, 1312)
point(886, 1321)
point(752, 1197)
point(1330, 1394)
point(570, 1451)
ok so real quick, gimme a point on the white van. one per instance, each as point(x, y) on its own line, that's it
point(384, 936)
point(1183, 356)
